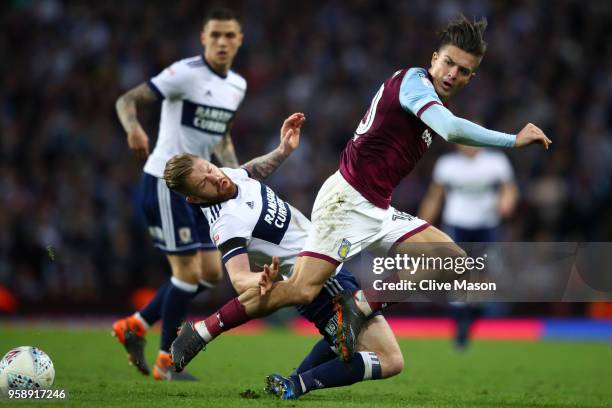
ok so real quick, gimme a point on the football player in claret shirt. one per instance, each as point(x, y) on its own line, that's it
point(250, 225)
point(352, 210)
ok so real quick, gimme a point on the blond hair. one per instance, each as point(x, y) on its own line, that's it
point(178, 168)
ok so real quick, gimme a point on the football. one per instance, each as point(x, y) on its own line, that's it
point(26, 367)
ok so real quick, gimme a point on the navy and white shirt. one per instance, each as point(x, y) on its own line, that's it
point(197, 110)
point(258, 222)
point(472, 187)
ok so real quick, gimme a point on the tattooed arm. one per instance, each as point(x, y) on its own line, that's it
point(224, 151)
point(261, 167)
point(137, 139)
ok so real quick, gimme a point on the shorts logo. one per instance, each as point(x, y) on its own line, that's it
point(344, 249)
point(216, 237)
point(157, 233)
point(185, 235)
point(399, 215)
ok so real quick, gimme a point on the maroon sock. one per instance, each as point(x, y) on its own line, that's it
point(231, 315)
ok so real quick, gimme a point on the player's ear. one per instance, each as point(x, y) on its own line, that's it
point(434, 57)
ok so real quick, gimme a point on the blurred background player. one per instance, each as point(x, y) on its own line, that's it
point(250, 225)
point(200, 97)
point(478, 191)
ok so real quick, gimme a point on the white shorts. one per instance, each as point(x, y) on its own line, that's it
point(344, 223)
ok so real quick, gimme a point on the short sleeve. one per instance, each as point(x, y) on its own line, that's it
point(227, 227)
point(171, 82)
point(417, 93)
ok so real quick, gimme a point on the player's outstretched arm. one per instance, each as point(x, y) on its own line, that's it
point(225, 152)
point(137, 139)
point(261, 167)
point(458, 130)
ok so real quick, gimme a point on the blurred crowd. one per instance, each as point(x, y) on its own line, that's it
point(70, 232)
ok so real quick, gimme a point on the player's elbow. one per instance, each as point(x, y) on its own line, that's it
point(453, 130)
point(121, 102)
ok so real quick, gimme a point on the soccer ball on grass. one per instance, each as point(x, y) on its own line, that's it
point(26, 367)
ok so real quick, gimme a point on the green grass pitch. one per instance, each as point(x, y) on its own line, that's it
point(93, 369)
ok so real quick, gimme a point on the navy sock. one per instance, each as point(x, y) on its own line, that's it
point(174, 310)
point(320, 353)
point(465, 316)
point(336, 373)
point(151, 313)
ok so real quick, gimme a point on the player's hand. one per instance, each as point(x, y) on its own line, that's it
point(268, 276)
point(138, 141)
point(290, 133)
point(531, 134)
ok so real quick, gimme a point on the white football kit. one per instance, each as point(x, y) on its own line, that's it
point(197, 110)
point(256, 221)
point(472, 185)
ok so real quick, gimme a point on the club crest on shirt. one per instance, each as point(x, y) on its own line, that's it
point(344, 249)
point(185, 235)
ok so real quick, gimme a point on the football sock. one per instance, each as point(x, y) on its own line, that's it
point(231, 315)
point(174, 309)
point(464, 316)
point(138, 317)
point(320, 353)
point(362, 366)
point(151, 313)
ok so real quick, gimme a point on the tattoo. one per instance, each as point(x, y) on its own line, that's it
point(126, 105)
point(224, 151)
point(261, 167)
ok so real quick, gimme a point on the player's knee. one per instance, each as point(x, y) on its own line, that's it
point(302, 292)
point(211, 273)
point(185, 269)
point(392, 364)
point(186, 275)
point(309, 293)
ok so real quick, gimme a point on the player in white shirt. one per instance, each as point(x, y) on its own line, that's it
point(478, 191)
point(200, 96)
point(250, 224)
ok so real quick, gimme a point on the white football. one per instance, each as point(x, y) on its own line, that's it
point(26, 368)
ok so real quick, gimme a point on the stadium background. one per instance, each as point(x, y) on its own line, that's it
point(71, 238)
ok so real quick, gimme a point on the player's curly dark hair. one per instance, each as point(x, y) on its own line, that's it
point(220, 13)
point(178, 168)
point(466, 35)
